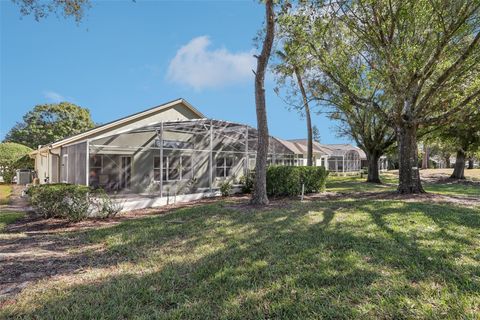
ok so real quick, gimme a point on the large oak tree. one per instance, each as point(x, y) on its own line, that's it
point(464, 136)
point(423, 55)
point(47, 123)
point(370, 133)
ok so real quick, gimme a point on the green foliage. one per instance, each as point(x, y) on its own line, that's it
point(152, 189)
point(71, 202)
point(42, 8)
point(463, 134)
point(288, 180)
point(65, 201)
point(314, 178)
point(103, 206)
point(14, 156)
point(192, 185)
point(316, 134)
point(50, 122)
point(247, 181)
point(283, 181)
point(225, 188)
point(384, 49)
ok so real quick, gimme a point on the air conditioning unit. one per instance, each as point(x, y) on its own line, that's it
point(24, 176)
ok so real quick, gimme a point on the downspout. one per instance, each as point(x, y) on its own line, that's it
point(50, 152)
point(87, 164)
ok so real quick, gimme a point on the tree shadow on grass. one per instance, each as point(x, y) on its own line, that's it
point(341, 259)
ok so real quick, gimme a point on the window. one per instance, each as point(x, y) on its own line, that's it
point(186, 168)
point(156, 168)
point(224, 166)
point(174, 168)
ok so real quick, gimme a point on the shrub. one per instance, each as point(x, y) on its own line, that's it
point(225, 188)
point(288, 180)
point(283, 181)
point(192, 185)
point(60, 201)
point(152, 189)
point(314, 178)
point(71, 202)
point(13, 156)
point(247, 181)
point(103, 205)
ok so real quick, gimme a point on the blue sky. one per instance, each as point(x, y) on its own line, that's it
point(125, 57)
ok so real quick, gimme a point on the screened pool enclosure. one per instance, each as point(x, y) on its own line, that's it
point(178, 157)
point(192, 156)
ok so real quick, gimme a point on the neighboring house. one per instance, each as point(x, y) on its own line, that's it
point(172, 149)
point(441, 163)
point(334, 157)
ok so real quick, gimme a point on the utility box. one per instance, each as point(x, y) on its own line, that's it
point(24, 176)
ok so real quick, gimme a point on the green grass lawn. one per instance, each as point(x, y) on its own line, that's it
point(357, 184)
point(343, 259)
point(5, 192)
point(7, 217)
point(390, 181)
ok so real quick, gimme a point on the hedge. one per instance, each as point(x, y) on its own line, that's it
point(13, 156)
point(288, 180)
point(247, 181)
point(71, 202)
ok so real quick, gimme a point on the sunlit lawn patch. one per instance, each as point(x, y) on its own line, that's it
point(390, 181)
point(340, 259)
point(5, 192)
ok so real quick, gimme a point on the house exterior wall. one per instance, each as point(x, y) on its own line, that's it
point(41, 167)
point(47, 166)
point(176, 112)
point(55, 166)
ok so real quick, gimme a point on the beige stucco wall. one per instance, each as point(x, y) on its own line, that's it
point(47, 166)
point(177, 112)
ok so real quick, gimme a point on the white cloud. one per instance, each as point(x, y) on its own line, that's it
point(54, 96)
point(199, 67)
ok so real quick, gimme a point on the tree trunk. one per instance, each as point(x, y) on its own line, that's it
point(409, 175)
point(447, 161)
point(425, 158)
point(459, 168)
point(470, 163)
point(260, 188)
point(307, 116)
point(373, 172)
